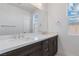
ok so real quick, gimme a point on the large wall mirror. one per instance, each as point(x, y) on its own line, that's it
point(17, 18)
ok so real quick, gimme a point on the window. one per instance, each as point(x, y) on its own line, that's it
point(35, 22)
point(73, 18)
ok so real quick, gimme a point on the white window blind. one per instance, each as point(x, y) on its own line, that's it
point(73, 18)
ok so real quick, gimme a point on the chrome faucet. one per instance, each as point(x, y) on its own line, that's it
point(20, 36)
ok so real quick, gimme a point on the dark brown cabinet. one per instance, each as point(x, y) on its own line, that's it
point(49, 46)
point(46, 47)
point(53, 46)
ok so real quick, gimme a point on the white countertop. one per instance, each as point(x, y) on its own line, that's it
point(8, 42)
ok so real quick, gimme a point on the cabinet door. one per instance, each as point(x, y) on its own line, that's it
point(45, 48)
point(53, 45)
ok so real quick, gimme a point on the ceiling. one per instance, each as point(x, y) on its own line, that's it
point(27, 6)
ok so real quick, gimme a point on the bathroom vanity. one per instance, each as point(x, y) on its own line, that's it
point(44, 46)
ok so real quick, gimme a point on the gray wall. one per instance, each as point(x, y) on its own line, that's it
point(14, 16)
point(44, 18)
point(57, 19)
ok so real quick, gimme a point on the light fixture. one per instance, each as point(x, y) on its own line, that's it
point(37, 5)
